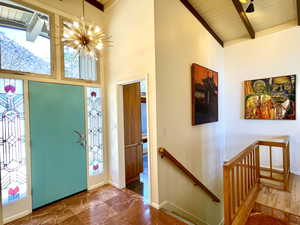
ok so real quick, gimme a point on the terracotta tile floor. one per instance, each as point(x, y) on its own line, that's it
point(104, 206)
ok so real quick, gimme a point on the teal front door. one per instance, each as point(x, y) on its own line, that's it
point(58, 157)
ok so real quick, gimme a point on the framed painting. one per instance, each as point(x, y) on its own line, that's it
point(271, 98)
point(204, 95)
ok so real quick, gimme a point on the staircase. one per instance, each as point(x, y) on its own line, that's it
point(256, 195)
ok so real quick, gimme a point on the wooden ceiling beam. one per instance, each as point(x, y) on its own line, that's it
point(298, 11)
point(202, 21)
point(97, 4)
point(244, 18)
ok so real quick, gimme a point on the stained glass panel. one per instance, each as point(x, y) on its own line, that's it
point(95, 131)
point(12, 141)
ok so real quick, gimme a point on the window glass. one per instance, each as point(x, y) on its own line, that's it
point(95, 131)
point(25, 43)
point(79, 66)
point(12, 141)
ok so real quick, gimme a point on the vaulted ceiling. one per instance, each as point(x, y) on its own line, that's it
point(223, 18)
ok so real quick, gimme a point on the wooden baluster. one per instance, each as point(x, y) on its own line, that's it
point(251, 170)
point(238, 185)
point(257, 156)
point(243, 180)
point(233, 190)
point(227, 197)
point(285, 167)
point(248, 174)
point(253, 167)
point(271, 162)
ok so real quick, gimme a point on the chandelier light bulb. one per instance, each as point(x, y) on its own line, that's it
point(97, 29)
point(75, 24)
point(99, 46)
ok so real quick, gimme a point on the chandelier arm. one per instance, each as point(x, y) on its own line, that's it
point(83, 14)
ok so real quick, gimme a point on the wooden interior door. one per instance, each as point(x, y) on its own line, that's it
point(132, 131)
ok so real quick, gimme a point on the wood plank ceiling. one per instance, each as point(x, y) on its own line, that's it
point(228, 20)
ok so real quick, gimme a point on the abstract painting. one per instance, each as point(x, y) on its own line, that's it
point(204, 95)
point(271, 98)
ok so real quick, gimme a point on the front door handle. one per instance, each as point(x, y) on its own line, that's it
point(81, 138)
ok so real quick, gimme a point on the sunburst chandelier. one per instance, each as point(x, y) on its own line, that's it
point(87, 39)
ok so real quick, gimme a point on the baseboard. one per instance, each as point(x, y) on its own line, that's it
point(296, 172)
point(92, 187)
point(115, 184)
point(17, 216)
point(155, 205)
point(182, 212)
point(222, 222)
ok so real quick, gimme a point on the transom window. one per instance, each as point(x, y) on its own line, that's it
point(25, 39)
point(76, 66)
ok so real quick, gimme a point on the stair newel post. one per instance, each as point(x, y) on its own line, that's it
point(227, 196)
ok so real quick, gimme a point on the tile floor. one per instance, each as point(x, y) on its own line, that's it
point(103, 206)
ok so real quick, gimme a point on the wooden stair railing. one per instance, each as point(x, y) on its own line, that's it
point(241, 185)
point(244, 174)
point(164, 153)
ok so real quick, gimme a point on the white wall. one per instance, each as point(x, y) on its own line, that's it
point(131, 25)
point(181, 40)
point(267, 56)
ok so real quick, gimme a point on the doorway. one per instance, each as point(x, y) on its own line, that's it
point(58, 159)
point(51, 143)
point(135, 138)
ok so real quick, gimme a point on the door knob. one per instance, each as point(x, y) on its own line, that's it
point(81, 138)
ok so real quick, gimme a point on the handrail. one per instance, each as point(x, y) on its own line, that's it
point(165, 153)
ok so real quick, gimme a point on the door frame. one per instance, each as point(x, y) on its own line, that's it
point(98, 181)
point(121, 143)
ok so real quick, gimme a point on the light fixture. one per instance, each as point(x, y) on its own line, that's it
point(85, 38)
point(250, 8)
point(243, 1)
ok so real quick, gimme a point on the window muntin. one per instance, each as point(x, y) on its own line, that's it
point(12, 141)
point(76, 66)
point(94, 130)
point(25, 39)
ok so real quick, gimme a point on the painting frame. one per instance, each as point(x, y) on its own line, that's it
point(271, 98)
point(204, 95)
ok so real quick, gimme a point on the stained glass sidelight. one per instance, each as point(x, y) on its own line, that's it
point(95, 131)
point(12, 141)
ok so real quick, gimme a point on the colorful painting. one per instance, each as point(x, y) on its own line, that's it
point(271, 98)
point(204, 95)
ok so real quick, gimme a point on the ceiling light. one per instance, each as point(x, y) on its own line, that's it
point(250, 8)
point(243, 1)
point(85, 38)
